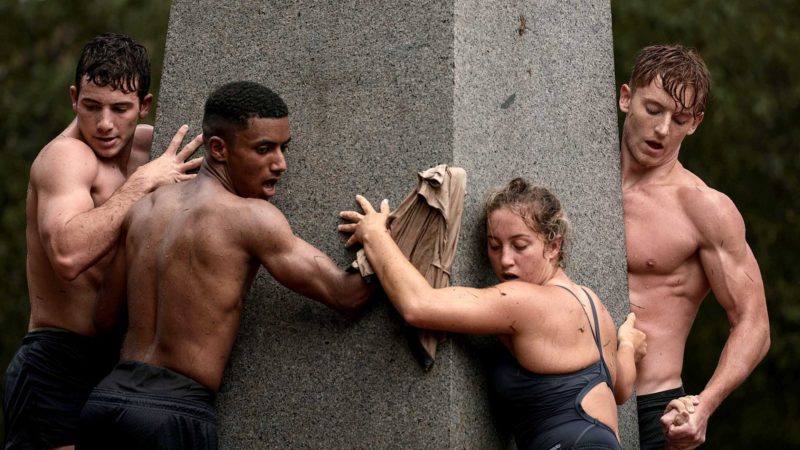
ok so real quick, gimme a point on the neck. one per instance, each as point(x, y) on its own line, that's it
point(217, 172)
point(558, 276)
point(634, 173)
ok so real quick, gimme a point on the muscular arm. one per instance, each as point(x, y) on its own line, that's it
point(302, 267)
point(735, 279)
point(75, 234)
point(456, 309)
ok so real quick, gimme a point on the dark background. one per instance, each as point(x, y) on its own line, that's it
point(744, 148)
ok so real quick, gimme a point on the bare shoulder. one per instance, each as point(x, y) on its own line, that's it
point(140, 150)
point(713, 213)
point(528, 296)
point(64, 156)
point(261, 224)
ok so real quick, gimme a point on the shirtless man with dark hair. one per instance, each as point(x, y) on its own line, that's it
point(189, 254)
point(684, 240)
point(81, 185)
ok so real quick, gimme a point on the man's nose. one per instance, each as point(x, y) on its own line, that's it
point(105, 123)
point(662, 127)
point(279, 163)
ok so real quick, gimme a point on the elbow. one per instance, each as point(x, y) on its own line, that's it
point(66, 267)
point(417, 306)
point(622, 395)
point(351, 308)
point(761, 326)
point(412, 313)
point(767, 343)
point(350, 303)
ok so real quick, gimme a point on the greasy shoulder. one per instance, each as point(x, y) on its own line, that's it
point(711, 211)
point(530, 293)
point(142, 140)
point(64, 154)
point(261, 220)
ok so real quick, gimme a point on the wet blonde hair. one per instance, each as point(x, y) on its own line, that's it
point(539, 209)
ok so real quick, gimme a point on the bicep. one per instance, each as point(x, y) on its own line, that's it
point(731, 268)
point(293, 262)
point(61, 194)
point(302, 268)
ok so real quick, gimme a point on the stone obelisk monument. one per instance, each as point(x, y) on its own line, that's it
point(378, 91)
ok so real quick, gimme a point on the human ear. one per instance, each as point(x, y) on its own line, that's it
point(625, 95)
point(553, 248)
point(73, 95)
point(144, 108)
point(217, 149)
point(696, 122)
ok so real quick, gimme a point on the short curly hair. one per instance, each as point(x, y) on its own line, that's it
point(680, 68)
point(539, 208)
point(115, 60)
point(229, 107)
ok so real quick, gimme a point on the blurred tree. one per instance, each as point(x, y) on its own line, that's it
point(744, 148)
point(40, 41)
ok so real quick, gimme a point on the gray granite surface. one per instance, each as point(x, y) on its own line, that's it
point(378, 91)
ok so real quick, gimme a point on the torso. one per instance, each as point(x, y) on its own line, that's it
point(665, 276)
point(187, 253)
point(55, 302)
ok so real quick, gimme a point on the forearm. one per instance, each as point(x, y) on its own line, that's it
point(401, 281)
point(745, 348)
point(351, 293)
point(626, 372)
point(85, 238)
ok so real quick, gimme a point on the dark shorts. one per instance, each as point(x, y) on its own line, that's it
point(650, 408)
point(140, 406)
point(46, 384)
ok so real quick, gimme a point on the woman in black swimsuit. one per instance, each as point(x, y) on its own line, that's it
point(567, 367)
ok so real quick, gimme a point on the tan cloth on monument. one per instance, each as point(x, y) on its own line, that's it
point(426, 227)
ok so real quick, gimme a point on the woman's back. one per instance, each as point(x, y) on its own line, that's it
point(570, 400)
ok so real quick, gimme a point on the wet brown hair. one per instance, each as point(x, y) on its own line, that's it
point(680, 68)
point(539, 209)
point(115, 60)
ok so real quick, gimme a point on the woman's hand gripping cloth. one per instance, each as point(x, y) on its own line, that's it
point(426, 227)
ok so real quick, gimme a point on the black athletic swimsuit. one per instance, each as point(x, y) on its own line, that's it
point(545, 410)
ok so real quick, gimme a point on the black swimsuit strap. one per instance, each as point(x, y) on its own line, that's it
point(596, 330)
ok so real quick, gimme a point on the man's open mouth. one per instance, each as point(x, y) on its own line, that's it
point(654, 145)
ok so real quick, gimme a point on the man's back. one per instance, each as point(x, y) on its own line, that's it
point(189, 263)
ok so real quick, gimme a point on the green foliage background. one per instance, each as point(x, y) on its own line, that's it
point(745, 148)
point(40, 41)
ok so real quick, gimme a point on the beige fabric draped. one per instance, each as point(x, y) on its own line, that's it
point(425, 226)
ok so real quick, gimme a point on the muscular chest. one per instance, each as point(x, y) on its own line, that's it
point(659, 236)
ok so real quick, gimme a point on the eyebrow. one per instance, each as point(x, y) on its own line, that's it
point(268, 142)
point(516, 236)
